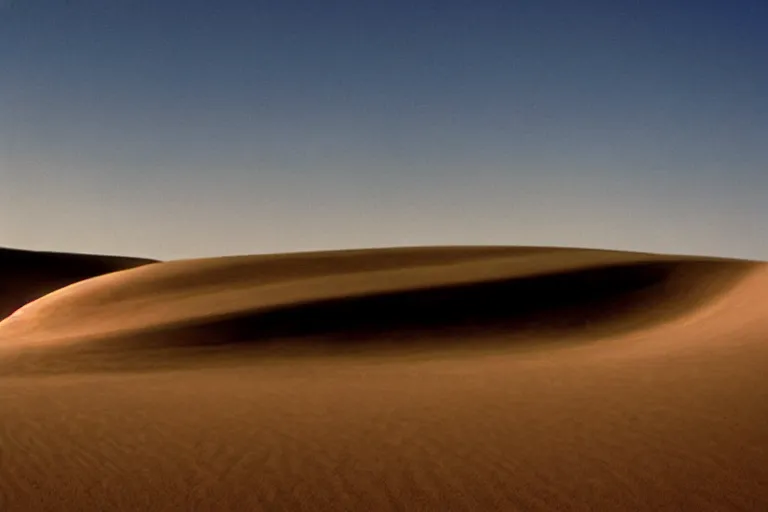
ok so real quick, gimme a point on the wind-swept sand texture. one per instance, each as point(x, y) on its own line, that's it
point(28, 275)
point(405, 379)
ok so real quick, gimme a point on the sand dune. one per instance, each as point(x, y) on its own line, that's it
point(405, 379)
point(28, 275)
point(355, 301)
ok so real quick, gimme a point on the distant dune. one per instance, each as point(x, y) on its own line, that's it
point(447, 378)
point(28, 275)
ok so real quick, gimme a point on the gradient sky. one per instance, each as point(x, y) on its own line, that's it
point(185, 128)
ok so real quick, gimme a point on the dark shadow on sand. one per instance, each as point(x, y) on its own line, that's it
point(28, 275)
point(582, 304)
point(579, 306)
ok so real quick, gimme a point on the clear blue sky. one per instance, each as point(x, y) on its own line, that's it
point(172, 128)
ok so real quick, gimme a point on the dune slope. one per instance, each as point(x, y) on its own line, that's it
point(359, 300)
point(28, 275)
point(641, 385)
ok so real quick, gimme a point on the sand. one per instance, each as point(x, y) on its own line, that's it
point(28, 275)
point(405, 379)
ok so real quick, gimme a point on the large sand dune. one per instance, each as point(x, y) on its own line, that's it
point(404, 379)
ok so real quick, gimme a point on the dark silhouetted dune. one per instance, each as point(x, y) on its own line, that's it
point(456, 378)
point(28, 275)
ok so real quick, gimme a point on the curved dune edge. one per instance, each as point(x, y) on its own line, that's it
point(350, 302)
point(29, 275)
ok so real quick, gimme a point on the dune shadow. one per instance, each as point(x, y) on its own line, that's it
point(28, 275)
point(528, 312)
point(566, 306)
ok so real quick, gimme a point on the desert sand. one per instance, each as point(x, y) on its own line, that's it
point(436, 379)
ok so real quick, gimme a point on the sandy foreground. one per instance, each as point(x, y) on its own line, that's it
point(434, 379)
